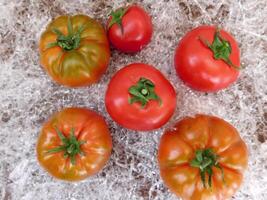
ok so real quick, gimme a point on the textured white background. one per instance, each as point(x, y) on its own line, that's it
point(28, 97)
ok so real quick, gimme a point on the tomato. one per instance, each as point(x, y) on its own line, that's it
point(207, 59)
point(202, 157)
point(130, 29)
point(74, 144)
point(139, 97)
point(74, 50)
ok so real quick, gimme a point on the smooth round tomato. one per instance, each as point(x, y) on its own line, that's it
point(130, 29)
point(74, 144)
point(202, 157)
point(139, 97)
point(207, 59)
point(74, 50)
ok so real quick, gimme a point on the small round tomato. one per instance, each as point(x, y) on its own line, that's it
point(130, 29)
point(74, 144)
point(207, 59)
point(139, 97)
point(74, 50)
point(202, 158)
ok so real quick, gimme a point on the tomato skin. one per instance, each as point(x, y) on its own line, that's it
point(81, 66)
point(196, 66)
point(133, 116)
point(89, 127)
point(137, 31)
point(177, 148)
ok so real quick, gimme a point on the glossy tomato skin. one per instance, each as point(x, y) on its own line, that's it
point(88, 127)
point(133, 116)
point(78, 67)
point(196, 66)
point(177, 148)
point(137, 30)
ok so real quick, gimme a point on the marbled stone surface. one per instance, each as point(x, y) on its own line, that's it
point(28, 97)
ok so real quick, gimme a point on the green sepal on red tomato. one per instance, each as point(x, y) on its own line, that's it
point(139, 97)
point(74, 144)
point(207, 59)
point(202, 157)
point(74, 50)
point(130, 29)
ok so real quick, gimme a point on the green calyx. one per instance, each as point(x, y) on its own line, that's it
point(143, 91)
point(221, 48)
point(116, 17)
point(70, 41)
point(205, 160)
point(71, 146)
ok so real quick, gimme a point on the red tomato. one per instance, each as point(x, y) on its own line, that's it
point(130, 29)
point(139, 97)
point(207, 59)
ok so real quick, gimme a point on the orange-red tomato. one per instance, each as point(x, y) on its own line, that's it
point(202, 158)
point(74, 50)
point(74, 144)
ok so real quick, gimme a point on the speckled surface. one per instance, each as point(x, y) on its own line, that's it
point(28, 97)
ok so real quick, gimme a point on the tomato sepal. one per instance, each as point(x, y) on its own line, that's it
point(71, 146)
point(70, 41)
point(116, 17)
point(143, 91)
point(220, 47)
point(204, 160)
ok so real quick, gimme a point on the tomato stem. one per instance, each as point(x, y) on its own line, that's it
point(143, 91)
point(71, 146)
point(70, 41)
point(220, 47)
point(204, 160)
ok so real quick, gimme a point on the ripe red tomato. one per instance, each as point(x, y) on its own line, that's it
point(139, 97)
point(74, 144)
point(130, 29)
point(201, 158)
point(207, 59)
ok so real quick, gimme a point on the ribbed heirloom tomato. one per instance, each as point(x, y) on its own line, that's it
point(74, 144)
point(139, 97)
point(207, 59)
point(74, 50)
point(202, 158)
point(130, 29)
